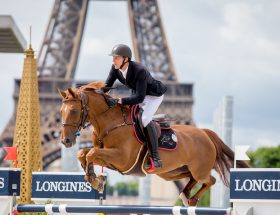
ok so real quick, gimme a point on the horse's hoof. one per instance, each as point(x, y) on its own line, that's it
point(193, 201)
point(90, 177)
point(102, 178)
point(184, 199)
point(101, 183)
point(100, 187)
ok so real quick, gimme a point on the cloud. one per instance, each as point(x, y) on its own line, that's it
point(266, 142)
point(223, 47)
point(96, 47)
point(255, 137)
point(239, 21)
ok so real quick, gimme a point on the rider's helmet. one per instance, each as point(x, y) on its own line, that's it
point(121, 50)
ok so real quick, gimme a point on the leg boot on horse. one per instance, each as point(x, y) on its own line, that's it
point(152, 141)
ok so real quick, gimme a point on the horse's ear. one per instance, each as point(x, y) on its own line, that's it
point(71, 92)
point(62, 93)
point(106, 89)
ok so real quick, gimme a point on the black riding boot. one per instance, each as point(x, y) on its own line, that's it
point(152, 140)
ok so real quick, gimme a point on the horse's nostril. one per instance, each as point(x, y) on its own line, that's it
point(67, 140)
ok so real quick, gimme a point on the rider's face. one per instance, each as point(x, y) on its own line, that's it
point(117, 61)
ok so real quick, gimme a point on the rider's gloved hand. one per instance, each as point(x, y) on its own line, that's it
point(112, 102)
point(105, 89)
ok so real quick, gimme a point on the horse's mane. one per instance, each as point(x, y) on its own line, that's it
point(97, 85)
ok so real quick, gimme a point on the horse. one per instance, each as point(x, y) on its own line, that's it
point(115, 145)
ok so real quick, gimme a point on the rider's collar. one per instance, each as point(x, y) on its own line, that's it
point(125, 71)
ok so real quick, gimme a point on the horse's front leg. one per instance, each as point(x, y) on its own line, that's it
point(90, 176)
point(97, 182)
point(101, 157)
point(81, 156)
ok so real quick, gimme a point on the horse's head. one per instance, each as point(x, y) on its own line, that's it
point(71, 116)
point(74, 111)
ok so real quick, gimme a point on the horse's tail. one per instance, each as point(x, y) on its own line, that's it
point(224, 157)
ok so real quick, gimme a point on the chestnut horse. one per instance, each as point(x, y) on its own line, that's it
point(198, 150)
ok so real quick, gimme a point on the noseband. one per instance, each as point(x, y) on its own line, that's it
point(83, 117)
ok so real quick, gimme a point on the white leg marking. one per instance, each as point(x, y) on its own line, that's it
point(184, 199)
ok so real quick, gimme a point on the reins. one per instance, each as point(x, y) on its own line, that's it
point(84, 121)
point(125, 123)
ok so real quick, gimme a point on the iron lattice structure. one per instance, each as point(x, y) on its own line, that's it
point(58, 58)
point(149, 39)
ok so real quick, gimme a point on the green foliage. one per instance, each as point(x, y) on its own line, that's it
point(179, 202)
point(109, 189)
point(38, 213)
point(203, 202)
point(265, 157)
point(34, 213)
point(132, 189)
point(205, 199)
point(127, 189)
point(121, 187)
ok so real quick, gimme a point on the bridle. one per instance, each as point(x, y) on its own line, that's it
point(83, 117)
point(84, 122)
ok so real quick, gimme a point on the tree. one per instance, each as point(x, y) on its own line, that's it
point(127, 189)
point(265, 157)
point(109, 189)
point(121, 187)
point(132, 189)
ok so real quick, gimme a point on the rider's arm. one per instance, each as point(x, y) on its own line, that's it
point(140, 90)
point(112, 77)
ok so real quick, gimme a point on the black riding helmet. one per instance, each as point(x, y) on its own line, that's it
point(121, 50)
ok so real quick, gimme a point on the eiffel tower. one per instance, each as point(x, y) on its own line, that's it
point(58, 59)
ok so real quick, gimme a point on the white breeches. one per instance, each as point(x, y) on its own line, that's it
point(150, 106)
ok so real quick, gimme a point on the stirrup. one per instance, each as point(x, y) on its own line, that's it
point(153, 163)
point(157, 163)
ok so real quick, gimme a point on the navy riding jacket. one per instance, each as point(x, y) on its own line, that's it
point(139, 80)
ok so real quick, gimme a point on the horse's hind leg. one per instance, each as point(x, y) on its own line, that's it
point(185, 194)
point(81, 156)
point(180, 173)
point(205, 186)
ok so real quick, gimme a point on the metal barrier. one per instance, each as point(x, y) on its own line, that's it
point(176, 210)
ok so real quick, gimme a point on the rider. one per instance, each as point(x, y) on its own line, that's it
point(147, 92)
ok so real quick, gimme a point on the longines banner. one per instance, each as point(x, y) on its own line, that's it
point(250, 184)
point(67, 185)
point(9, 181)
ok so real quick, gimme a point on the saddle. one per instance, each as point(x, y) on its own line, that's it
point(166, 136)
point(167, 139)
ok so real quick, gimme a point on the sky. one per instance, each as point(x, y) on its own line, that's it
point(223, 47)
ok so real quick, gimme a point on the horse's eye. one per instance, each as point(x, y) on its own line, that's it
point(74, 111)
